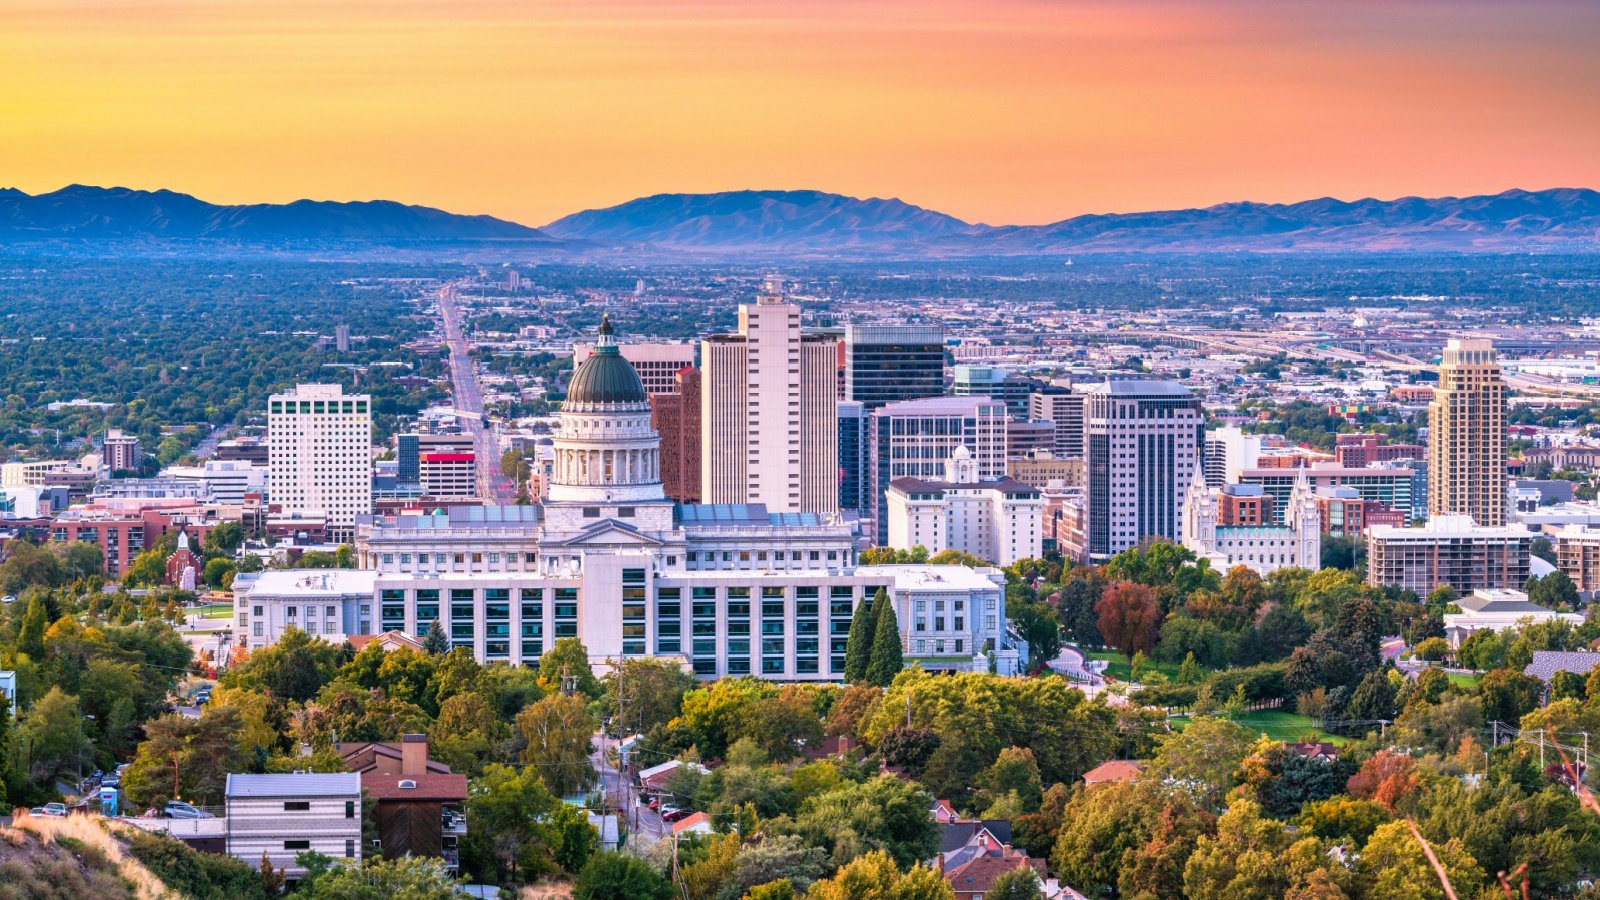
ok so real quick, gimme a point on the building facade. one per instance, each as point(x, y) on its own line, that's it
point(1009, 388)
point(914, 438)
point(1143, 441)
point(658, 364)
point(120, 452)
point(855, 463)
point(1467, 435)
point(320, 446)
point(1391, 487)
point(769, 412)
point(1062, 407)
point(888, 363)
point(998, 521)
point(1252, 539)
point(676, 417)
point(1451, 550)
point(280, 817)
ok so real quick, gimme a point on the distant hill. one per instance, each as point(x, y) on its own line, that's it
point(763, 221)
point(1511, 220)
point(85, 212)
point(812, 221)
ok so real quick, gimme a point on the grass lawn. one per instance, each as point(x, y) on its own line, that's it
point(1462, 679)
point(1280, 725)
point(1118, 667)
point(216, 611)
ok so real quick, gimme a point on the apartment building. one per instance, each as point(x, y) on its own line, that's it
point(320, 446)
point(1467, 435)
point(1451, 550)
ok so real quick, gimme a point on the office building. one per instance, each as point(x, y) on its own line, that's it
point(1467, 435)
point(676, 417)
point(341, 338)
point(658, 364)
point(1358, 451)
point(913, 438)
point(770, 413)
point(1024, 437)
point(320, 443)
point(1390, 487)
point(1063, 407)
point(1451, 550)
point(225, 481)
point(1251, 538)
point(120, 452)
point(1345, 513)
point(412, 447)
point(1578, 556)
point(1015, 391)
point(249, 449)
point(1041, 467)
point(889, 363)
point(997, 520)
point(1229, 451)
point(448, 474)
point(855, 463)
point(1143, 441)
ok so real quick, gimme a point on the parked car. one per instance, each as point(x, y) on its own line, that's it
point(177, 809)
point(111, 781)
point(673, 814)
point(57, 810)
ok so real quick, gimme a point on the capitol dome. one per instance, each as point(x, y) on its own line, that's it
point(605, 377)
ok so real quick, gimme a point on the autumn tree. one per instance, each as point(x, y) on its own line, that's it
point(557, 731)
point(1393, 865)
point(566, 665)
point(1129, 617)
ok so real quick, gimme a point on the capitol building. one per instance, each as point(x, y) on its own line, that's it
point(606, 557)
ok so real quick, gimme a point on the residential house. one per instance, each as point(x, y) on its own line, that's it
point(420, 803)
point(389, 640)
point(1114, 770)
point(283, 816)
point(694, 823)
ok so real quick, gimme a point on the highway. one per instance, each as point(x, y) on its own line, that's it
point(493, 486)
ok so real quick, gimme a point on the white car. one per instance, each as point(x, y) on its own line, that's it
point(55, 810)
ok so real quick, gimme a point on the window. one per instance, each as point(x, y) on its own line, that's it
point(296, 805)
point(297, 845)
point(349, 809)
point(349, 848)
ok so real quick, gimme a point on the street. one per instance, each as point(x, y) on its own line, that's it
point(643, 825)
point(493, 486)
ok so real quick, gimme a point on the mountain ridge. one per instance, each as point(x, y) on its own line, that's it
point(90, 212)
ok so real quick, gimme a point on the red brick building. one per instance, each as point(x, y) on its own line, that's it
point(1357, 451)
point(676, 416)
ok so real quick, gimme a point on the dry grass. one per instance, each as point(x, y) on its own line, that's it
point(546, 890)
point(88, 831)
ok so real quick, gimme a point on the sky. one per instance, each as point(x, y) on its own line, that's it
point(997, 111)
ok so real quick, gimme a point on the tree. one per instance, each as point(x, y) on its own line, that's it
point(1129, 617)
point(883, 814)
point(1204, 756)
point(1344, 818)
point(641, 693)
point(182, 758)
point(147, 569)
point(1015, 772)
point(1507, 696)
point(467, 733)
point(1037, 623)
point(513, 821)
point(909, 748)
point(50, 738)
point(557, 730)
point(218, 572)
point(887, 660)
point(1393, 865)
point(30, 638)
point(783, 726)
point(293, 669)
point(1433, 649)
point(613, 876)
point(566, 665)
point(1019, 884)
point(436, 642)
point(1121, 832)
point(1075, 606)
point(223, 540)
point(410, 878)
point(858, 648)
point(876, 876)
point(1553, 591)
point(1385, 779)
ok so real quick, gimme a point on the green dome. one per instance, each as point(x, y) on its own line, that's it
point(605, 377)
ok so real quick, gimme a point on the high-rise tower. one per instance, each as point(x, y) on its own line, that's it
point(1467, 435)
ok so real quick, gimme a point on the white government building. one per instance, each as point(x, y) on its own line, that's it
point(732, 588)
point(1000, 519)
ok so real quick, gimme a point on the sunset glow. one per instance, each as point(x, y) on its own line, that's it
point(1003, 111)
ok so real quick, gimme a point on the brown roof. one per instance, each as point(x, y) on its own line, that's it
point(976, 876)
point(1125, 770)
point(358, 755)
point(358, 642)
point(447, 788)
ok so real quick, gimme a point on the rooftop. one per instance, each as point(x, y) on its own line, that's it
point(315, 582)
point(433, 786)
point(1134, 387)
point(939, 406)
point(739, 514)
point(911, 577)
point(341, 784)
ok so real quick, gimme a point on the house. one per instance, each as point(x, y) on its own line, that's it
point(610, 828)
point(389, 640)
point(419, 802)
point(283, 816)
point(654, 779)
point(1125, 771)
point(1320, 750)
point(694, 823)
point(1497, 610)
point(1546, 663)
point(974, 870)
point(964, 839)
point(943, 812)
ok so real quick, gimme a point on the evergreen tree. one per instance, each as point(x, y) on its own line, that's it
point(886, 661)
point(858, 650)
point(436, 642)
point(30, 639)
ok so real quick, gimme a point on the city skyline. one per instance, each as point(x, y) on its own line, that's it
point(1013, 112)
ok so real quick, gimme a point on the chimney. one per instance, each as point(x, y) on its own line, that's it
point(414, 754)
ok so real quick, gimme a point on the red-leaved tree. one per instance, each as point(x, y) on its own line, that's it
point(1130, 617)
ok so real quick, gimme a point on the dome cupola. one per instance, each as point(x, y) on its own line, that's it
point(605, 377)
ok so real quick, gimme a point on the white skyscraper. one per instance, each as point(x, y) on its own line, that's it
point(769, 415)
point(1143, 441)
point(320, 454)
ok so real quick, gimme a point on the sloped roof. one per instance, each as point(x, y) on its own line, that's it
point(1546, 663)
point(445, 788)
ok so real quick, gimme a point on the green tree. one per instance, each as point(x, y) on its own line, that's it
point(641, 693)
point(147, 569)
point(30, 638)
point(1344, 818)
point(557, 731)
point(1120, 833)
point(218, 572)
point(1015, 772)
point(858, 648)
point(1553, 591)
point(513, 819)
point(876, 876)
point(613, 876)
point(1507, 696)
point(436, 642)
point(567, 665)
point(1205, 755)
point(909, 748)
point(1038, 625)
point(887, 659)
point(883, 814)
point(224, 540)
point(1393, 865)
point(1018, 884)
point(411, 878)
point(293, 669)
point(182, 758)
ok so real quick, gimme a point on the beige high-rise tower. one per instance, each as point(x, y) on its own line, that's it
point(1467, 435)
point(769, 412)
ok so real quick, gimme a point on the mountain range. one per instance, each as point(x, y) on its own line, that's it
point(84, 212)
point(816, 223)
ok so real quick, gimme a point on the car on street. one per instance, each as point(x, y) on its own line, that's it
point(55, 810)
point(673, 814)
point(177, 809)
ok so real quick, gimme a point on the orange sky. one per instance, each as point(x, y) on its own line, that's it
point(1004, 111)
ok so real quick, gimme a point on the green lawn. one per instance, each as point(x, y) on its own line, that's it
point(216, 611)
point(1118, 667)
point(1279, 725)
point(1462, 679)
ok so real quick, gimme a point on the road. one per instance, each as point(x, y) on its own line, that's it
point(644, 826)
point(493, 486)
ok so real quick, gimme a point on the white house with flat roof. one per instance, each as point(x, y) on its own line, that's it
point(1498, 609)
point(283, 816)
